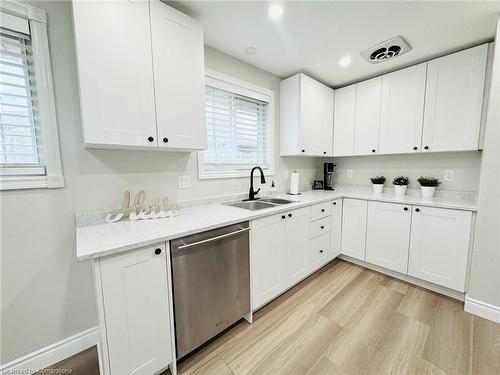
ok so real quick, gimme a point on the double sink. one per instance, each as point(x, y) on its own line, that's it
point(259, 204)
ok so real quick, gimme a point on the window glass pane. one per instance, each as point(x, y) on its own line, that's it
point(237, 131)
point(18, 130)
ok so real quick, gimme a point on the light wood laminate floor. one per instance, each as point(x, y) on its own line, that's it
point(349, 320)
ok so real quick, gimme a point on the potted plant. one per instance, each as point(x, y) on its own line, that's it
point(378, 184)
point(428, 186)
point(400, 184)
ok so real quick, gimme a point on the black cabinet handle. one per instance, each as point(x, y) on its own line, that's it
point(158, 251)
point(150, 139)
point(303, 150)
point(417, 209)
point(373, 150)
point(322, 210)
point(165, 140)
point(426, 147)
point(283, 216)
point(334, 203)
point(322, 227)
point(406, 208)
point(321, 251)
point(324, 152)
point(415, 148)
point(289, 215)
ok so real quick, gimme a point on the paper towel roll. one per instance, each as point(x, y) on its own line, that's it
point(294, 183)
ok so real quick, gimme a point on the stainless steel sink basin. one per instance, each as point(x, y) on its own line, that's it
point(276, 200)
point(251, 205)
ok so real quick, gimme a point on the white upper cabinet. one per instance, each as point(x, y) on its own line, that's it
point(388, 235)
point(439, 246)
point(354, 227)
point(453, 100)
point(367, 116)
point(115, 73)
point(179, 77)
point(306, 117)
point(402, 112)
point(343, 124)
point(141, 78)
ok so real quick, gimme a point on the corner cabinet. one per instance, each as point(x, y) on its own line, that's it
point(306, 117)
point(135, 306)
point(141, 75)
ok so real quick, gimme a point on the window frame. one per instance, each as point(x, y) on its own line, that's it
point(237, 86)
point(13, 177)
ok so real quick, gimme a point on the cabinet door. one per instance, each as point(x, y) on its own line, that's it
point(336, 229)
point(367, 116)
point(388, 235)
point(316, 117)
point(343, 124)
point(136, 310)
point(354, 227)
point(453, 101)
point(319, 252)
point(439, 246)
point(113, 49)
point(402, 112)
point(179, 71)
point(297, 245)
point(267, 259)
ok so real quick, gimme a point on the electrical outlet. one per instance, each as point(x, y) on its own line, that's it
point(449, 175)
point(184, 182)
point(350, 173)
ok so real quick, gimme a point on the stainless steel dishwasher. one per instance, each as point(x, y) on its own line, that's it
point(211, 283)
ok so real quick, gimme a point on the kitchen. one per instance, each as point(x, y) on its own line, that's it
point(177, 110)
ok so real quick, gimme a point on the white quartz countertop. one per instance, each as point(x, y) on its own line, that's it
point(96, 241)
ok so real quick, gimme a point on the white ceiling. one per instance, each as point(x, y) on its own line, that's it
point(313, 36)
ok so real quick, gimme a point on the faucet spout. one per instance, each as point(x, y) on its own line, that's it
point(252, 193)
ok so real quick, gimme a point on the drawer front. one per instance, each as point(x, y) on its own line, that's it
point(321, 210)
point(320, 227)
point(319, 252)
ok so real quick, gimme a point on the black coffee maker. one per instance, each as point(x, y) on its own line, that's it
point(328, 176)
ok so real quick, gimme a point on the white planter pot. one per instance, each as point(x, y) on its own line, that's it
point(427, 191)
point(400, 189)
point(378, 188)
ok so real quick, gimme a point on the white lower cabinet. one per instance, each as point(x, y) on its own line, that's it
point(296, 244)
point(439, 246)
point(319, 253)
point(354, 227)
point(388, 235)
point(133, 298)
point(267, 241)
point(279, 253)
point(336, 229)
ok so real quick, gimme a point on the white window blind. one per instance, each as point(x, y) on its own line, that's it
point(19, 134)
point(237, 131)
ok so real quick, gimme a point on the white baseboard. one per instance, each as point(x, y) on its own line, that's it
point(52, 354)
point(482, 309)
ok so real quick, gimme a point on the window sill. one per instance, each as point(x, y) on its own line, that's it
point(31, 182)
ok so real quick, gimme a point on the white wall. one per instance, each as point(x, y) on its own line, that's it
point(45, 295)
point(464, 164)
point(485, 269)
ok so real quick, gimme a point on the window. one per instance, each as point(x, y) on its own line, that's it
point(29, 148)
point(240, 131)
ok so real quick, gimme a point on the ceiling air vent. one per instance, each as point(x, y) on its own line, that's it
point(386, 50)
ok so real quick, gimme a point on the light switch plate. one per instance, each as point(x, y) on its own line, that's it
point(184, 182)
point(449, 175)
point(350, 173)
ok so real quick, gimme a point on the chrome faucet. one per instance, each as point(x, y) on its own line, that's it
point(252, 193)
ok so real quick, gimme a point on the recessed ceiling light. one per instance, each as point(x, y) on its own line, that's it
point(344, 61)
point(275, 11)
point(251, 50)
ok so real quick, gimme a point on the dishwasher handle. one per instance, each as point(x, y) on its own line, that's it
point(213, 238)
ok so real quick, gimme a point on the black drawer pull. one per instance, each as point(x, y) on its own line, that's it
point(158, 251)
